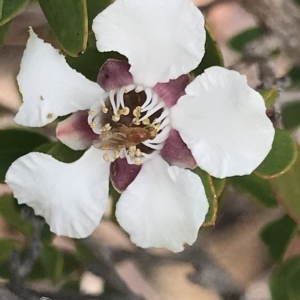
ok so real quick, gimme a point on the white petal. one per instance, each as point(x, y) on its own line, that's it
point(223, 121)
point(71, 197)
point(161, 39)
point(163, 207)
point(51, 88)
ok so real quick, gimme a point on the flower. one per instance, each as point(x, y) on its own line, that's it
point(148, 125)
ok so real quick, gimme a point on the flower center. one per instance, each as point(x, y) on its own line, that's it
point(133, 122)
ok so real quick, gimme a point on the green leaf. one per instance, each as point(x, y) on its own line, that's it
point(6, 246)
point(239, 41)
point(65, 154)
point(287, 190)
point(281, 285)
point(257, 188)
point(94, 7)
point(4, 270)
point(278, 235)
point(294, 75)
point(212, 57)
point(10, 8)
point(213, 189)
point(15, 143)
point(3, 31)
point(1, 8)
point(281, 157)
point(53, 263)
point(290, 115)
point(293, 287)
point(68, 22)
point(10, 211)
point(91, 61)
point(270, 96)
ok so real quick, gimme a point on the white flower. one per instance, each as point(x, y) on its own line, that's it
point(216, 122)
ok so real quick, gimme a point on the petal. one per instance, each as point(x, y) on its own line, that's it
point(50, 88)
point(161, 39)
point(171, 91)
point(114, 74)
point(122, 174)
point(176, 152)
point(75, 132)
point(223, 121)
point(71, 197)
point(163, 207)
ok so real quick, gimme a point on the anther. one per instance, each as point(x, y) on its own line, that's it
point(106, 127)
point(124, 111)
point(93, 124)
point(115, 118)
point(137, 111)
point(106, 157)
point(138, 89)
point(136, 121)
point(146, 121)
point(138, 162)
point(138, 152)
point(91, 112)
point(104, 109)
point(116, 154)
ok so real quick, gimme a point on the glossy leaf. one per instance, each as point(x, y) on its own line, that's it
point(270, 96)
point(282, 285)
point(239, 41)
point(290, 115)
point(10, 211)
point(287, 190)
point(3, 31)
point(278, 235)
point(63, 153)
point(281, 157)
point(94, 7)
point(6, 246)
point(15, 143)
point(213, 189)
point(212, 57)
point(68, 22)
point(10, 8)
point(257, 188)
point(91, 61)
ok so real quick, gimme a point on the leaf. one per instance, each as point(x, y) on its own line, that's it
point(277, 236)
point(257, 188)
point(65, 154)
point(290, 115)
point(282, 283)
point(212, 57)
point(15, 143)
point(94, 7)
point(91, 61)
point(1, 8)
point(270, 96)
point(10, 211)
point(6, 246)
point(213, 188)
point(293, 287)
point(294, 75)
point(287, 190)
point(10, 8)
point(281, 157)
point(3, 31)
point(68, 22)
point(239, 41)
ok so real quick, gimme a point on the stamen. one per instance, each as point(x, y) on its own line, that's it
point(93, 124)
point(138, 162)
point(106, 157)
point(124, 111)
point(91, 112)
point(106, 127)
point(136, 121)
point(138, 89)
point(138, 152)
point(115, 118)
point(112, 100)
point(146, 121)
point(137, 111)
point(116, 154)
point(104, 109)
